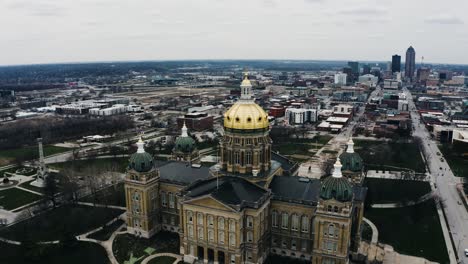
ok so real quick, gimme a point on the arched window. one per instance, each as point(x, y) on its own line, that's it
point(305, 224)
point(210, 220)
point(190, 217)
point(232, 225)
point(284, 220)
point(220, 223)
point(274, 219)
point(335, 209)
point(248, 158)
point(294, 222)
point(249, 221)
point(329, 208)
point(200, 219)
point(249, 236)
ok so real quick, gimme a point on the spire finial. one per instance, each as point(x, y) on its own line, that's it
point(184, 130)
point(337, 169)
point(246, 87)
point(350, 148)
point(141, 145)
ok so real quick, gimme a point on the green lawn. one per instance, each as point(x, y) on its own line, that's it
point(28, 153)
point(378, 154)
point(458, 163)
point(162, 260)
point(393, 191)
point(13, 198)
point(105, 233)
point(112, 195)
point(108, 164)
point(293, 148)
point(413, 230)
point(75, 253)
point(322, 139)
point(276, 259)
point(126, 245)
point(60, 223)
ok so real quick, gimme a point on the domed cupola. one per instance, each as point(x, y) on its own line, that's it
point(336, 186)
point(351, 160)
point(141, 161)
point(184, 143)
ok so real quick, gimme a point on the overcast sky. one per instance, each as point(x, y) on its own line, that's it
point(46, 31)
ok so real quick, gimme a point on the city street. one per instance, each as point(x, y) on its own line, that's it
point(445, 182)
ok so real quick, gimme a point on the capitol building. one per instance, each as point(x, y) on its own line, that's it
point(250, 205)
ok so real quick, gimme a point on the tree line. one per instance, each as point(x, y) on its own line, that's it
point(59, 129)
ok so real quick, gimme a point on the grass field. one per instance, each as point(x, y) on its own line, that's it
point(126, 245)
point(108, 164)
point(8, 156)
point(293, 148)
point(413, 230)
point(378, 154)
point(77, 253)
point(112, 195)
point(60, 223)
point(393, 191)
point(13, 198)
point(457, 163)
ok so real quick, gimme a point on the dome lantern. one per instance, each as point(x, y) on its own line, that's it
point(350, 148)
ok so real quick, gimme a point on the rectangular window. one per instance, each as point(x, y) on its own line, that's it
point(274, 219)
point(221, 223)
point(210, 220)
point(200, 233)
point(249, 221)
point(284, 221)
point(233, 259)
point(211, 235)
point(163, 199)
point(305, 224)
point(171, 200)
point(295, 223)
point(190, 231)
point(221, 237)
point(232, 239)
point(232, 225)
point(200, 219)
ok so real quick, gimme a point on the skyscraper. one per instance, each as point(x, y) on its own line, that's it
point(410, 63)
point(354, 65)
point(396, 63)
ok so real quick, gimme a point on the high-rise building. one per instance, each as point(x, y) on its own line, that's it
point(423, 74)
point(341, 78)
point(410, 63)
point(366, 69)
point(354, 65)
point(396, 63)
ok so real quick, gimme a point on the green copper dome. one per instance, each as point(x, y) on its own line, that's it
point(141, 161)
point(184, 143)
point(351, 160)
point(336, 186)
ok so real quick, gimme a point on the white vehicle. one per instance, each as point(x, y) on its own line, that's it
point(466, 252)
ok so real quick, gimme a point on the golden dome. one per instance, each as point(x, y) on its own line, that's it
point(246, 115)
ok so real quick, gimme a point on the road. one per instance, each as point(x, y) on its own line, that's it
point(445, 181)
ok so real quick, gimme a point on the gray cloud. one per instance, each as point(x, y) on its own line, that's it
point(445, 20)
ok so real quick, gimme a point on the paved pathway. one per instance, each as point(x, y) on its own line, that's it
point(177, 257)
point(375, 231)
point(31, 191)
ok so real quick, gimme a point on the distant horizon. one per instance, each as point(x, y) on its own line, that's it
point(214, 60)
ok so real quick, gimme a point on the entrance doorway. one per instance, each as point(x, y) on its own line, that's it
point(210, 255)
point(200, 253)
point(221, 257)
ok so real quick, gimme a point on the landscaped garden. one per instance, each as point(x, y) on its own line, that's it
point(394, 191)
point(383, 155)
point(129, 247)
point(13, 198)
point(456, 158)
point(62, 223)
point(70, 253)
point(413, 230)
point(8, 156)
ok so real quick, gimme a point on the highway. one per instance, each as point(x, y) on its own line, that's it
point(445, 181)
